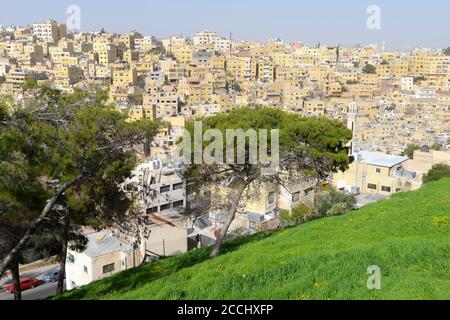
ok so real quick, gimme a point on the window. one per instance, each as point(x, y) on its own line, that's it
point(178, 186)
point(271, 197)
point(152, 210)
point(165, 189)
point(108, 268)
point(296, 197)
point(378, 170)
point(70, 258)
point(372, 186)
point(178, 204)
point(85, 269)
point(166, 207)
point(385, 189)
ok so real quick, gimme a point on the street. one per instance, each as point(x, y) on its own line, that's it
point(41, 292)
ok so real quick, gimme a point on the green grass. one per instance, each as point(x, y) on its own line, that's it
point(407, 236)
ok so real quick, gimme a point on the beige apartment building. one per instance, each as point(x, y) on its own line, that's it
point(166, 103)
point(66, 76)
point(14, 81)
point(124, 78)
point(376, 173)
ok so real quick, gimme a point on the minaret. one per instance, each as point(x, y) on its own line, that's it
point(352, 115)
point(383, 47)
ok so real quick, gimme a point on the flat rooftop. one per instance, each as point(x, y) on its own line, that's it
point(101, 243)
point(379, 159)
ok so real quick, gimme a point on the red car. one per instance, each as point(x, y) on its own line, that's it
point(25, 284)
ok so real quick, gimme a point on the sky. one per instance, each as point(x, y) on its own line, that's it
point(405, 24)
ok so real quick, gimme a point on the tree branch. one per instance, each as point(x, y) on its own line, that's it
point(34, 225)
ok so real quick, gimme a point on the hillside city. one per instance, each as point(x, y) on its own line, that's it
point(397, 104)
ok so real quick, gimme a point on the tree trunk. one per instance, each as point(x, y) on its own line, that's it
point(63, 255)
point(14, 253)
point(147, 145)
point(235, 199)
point(16, 279)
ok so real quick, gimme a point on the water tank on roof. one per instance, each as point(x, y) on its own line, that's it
point(425, 148)
point(178, 165)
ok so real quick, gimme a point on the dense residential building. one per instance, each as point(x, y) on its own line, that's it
point(390, 100)
point(217, 42)
point(49, 30)
point(159, 187)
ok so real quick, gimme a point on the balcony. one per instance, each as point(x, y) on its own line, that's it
point(401, 173)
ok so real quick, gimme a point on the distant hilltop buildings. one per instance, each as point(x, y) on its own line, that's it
point(402, 97)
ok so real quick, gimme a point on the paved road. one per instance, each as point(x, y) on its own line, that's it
point(367, 198)
point(35, 273)
point(42, 292)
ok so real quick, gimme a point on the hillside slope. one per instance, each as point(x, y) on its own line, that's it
point(408, 237)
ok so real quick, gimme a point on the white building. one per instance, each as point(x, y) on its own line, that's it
point(352, 116)
point(424, 94)
point(220, 44)
point(105, 255)
point(109, 252)
point(163, 230)
point(159, 187)
point(202, 110)
point(174, 42)
point(407, 83)
point(157, 77)
point(49, 30)
point(144, 43)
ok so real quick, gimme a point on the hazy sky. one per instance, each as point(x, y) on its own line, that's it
point(404, 23)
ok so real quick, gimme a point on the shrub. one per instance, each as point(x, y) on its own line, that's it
point(299, 215)
point(334, 201)
point(436, 173)
point(338, 209)
point(409, 151)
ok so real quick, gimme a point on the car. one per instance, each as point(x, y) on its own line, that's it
point(25, 284)
point(51, 276)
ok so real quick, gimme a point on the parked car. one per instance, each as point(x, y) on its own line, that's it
point(51, 276)
point(25, 284)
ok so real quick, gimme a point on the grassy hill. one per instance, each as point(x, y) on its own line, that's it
point(408, 237)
